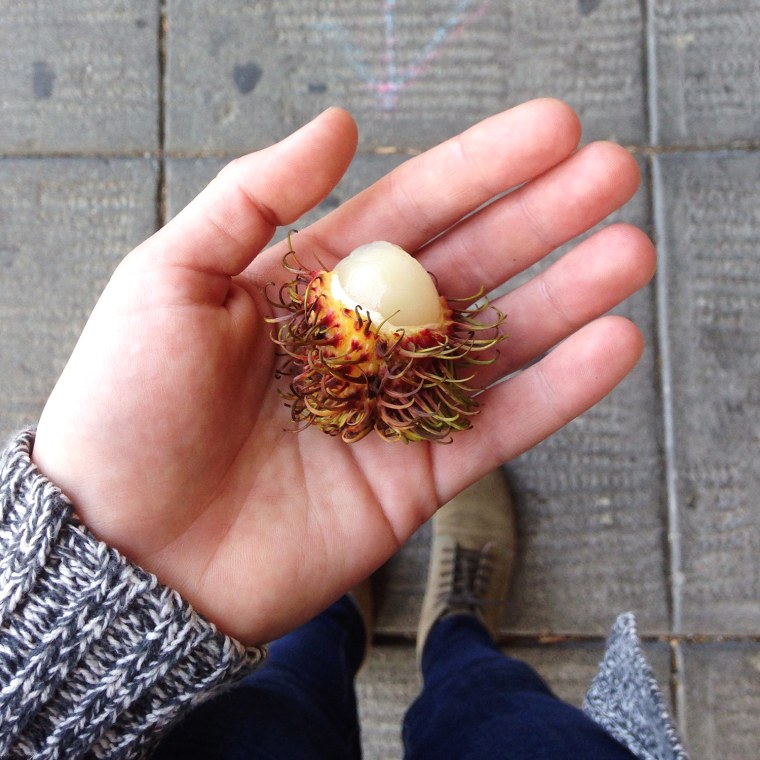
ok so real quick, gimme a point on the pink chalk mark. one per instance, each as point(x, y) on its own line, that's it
point(390, 89)
point(424, 66)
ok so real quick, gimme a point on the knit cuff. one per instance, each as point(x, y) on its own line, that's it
point(96, 656)
point(626, 701)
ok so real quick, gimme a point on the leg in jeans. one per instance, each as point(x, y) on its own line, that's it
point(477, 704)
point(300, 704)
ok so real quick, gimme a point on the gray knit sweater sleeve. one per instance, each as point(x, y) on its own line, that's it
point(96, 657)
point(627, 702)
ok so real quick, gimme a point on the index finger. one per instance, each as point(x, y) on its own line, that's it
point(427, 194)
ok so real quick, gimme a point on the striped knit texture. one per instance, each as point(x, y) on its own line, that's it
point(97, 658)
point(626, 700)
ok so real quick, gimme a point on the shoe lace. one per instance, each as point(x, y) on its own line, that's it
point(464, 580)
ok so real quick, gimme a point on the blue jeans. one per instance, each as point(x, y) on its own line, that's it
point(475, 703)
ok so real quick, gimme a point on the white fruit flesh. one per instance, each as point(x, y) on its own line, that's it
point(385, 280)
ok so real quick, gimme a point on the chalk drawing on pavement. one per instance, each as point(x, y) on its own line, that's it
point(395, 78)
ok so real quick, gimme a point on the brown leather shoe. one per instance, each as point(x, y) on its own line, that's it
point(471, 557)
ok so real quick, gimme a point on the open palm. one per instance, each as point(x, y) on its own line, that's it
point(166, 429)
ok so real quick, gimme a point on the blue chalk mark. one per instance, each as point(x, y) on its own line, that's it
point(390, 39)
point(394, 81)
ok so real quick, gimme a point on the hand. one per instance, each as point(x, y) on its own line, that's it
point(166, 429)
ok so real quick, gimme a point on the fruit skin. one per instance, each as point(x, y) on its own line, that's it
point(350, 375)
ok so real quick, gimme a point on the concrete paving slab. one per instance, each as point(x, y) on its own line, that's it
point(591, 510)
point(186, 177)
point(707, 83)
point(64, 225)
point(389, 683)
point(591, 529)
point(590, 525)
point(385, 688)
point(400, 586)
point(79, 76)
point(596, 487)
point(240, 73)
point(569, 667)
point(584, 51)
point(712, 239)
point(722, 687)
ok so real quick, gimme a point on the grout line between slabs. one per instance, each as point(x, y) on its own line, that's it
point(651, 79)
point(674, 545)
point(678, 687)
point(548, 641)
point(161, 153)
point(674, 557)
point(666, 386)
point(659, 216)
point(162, 51)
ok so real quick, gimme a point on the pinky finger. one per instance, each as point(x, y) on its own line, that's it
point(525, 409)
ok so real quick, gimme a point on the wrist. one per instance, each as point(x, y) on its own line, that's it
point(93, 641)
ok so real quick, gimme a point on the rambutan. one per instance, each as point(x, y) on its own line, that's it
point(371, 345)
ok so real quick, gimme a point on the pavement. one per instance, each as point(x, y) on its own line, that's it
point(115, 114)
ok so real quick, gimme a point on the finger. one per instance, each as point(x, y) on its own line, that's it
point(236, 215)
point(430, 192)
point(513, 233)
point(524, 410)
point(594, 277)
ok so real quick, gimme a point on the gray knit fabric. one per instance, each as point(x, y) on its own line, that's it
point(625, 699)
point(96, 657)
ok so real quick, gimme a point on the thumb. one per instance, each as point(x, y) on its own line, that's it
point(226, 226)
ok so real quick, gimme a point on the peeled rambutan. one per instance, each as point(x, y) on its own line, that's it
point(371, 345)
